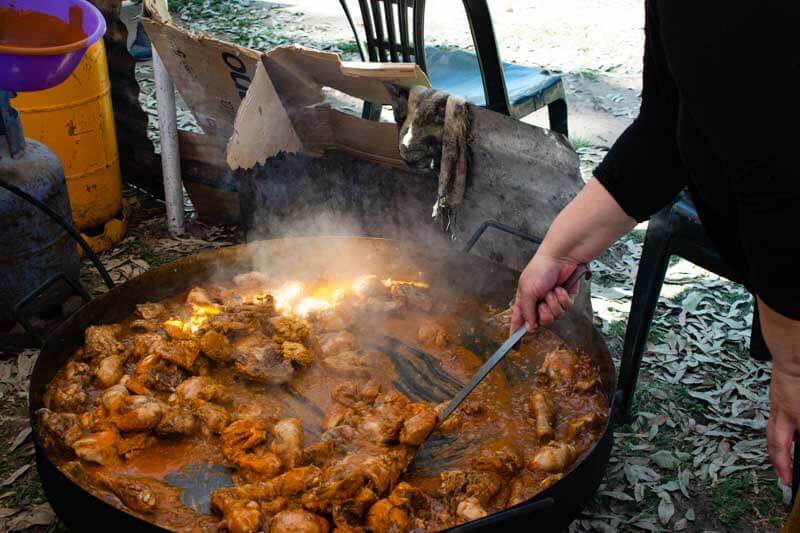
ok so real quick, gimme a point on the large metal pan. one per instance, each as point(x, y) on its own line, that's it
point(469, 275)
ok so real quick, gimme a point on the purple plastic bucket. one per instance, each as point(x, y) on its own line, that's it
point(34, 69)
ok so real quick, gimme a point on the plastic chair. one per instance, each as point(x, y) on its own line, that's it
point(395, 33)
point(676, 230)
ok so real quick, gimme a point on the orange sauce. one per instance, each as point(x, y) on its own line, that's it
point(30, 29)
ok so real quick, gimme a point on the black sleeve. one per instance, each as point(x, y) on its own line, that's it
point(768, 205)
point(643, 171)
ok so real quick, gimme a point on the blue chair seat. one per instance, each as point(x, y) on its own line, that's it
point(458, 73)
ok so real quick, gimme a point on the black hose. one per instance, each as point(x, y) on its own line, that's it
point(67, 227)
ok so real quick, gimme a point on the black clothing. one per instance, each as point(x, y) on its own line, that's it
point(720, 115)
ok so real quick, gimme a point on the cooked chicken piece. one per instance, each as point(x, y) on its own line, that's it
point(336, 415)
point(98, 448)
point(199, 296)
point(581, 424)
point(336, 343)
point(102, 340)
point(298, 521)
point(239, 516)
point(586, 380)
point(259, 358)
point(58, 431)
point(525, 486)
point(140, 494)
point(67, 392)
point(271, 508)
point(382, 424)
point(385, 517)
point(411, 295)
point(318, 453)
point(145, 344)
point(252, 279)
point(259, 465)
point(351, 364)
point(503, 458)
point(370, 390)
point(287, 485)
point(370, 286)
point(432, 334)
point(349, 514)
point(286, 328)
point(110, 370)
point(347, 394)
point(341, 436)
point(213, 418)
point(457, 485)
point(297, 353)
point(559, 365)
point(470, 509)
point(127, 447)
point(150, 310)
point(403, 494)
point(182, 353)
point(553, 458)
point(327, 321)
point(417, 428)
point(542, 412)
point(178, 329)
point(138, 413)
point(241, 436)
point(157, 374)
point(204, 388)
point(269, 413)
point(114, 398)
point(177, 419)
point(288, 441)
point(237, 322)
point(216, 346)
point(152, 325)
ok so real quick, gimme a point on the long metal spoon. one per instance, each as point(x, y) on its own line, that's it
point(581, 271)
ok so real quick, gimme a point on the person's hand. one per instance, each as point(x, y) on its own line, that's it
point(784, 421)
point(540, 298)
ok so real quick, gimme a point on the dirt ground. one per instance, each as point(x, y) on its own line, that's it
point(694, 456)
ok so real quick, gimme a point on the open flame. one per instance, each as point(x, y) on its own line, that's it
point(287, 296)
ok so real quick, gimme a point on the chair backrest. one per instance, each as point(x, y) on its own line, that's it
point(394, 30)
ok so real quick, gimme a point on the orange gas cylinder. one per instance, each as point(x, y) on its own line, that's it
point(75, 120)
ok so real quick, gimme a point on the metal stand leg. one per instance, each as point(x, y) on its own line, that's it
point(652, 269)
point(372, 111)
point(557, 112)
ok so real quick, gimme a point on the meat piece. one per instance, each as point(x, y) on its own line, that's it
point(182, 353)
point(543, 414)
point(114, 398)
point(586, 375)
point(177, 419)
point(271, 508)
point(347, 394)
point(287, 328)
point(369, 391)
point(470, 509)
point(340, 436)
point(385, 517)
point(417, 428)
point(298, 521)
point(98, 448)
point(287, 485)
point(336, 415)
point(102, 340)
point(213, 418)
point(67, 393)
point(318, 453)
point(288, 441)
point(58, 431)
point(458, 485)
point(145, 344)
point(349, 514)
point(553, 458)
point(404, 494)
point(216, 346)
point(503, 458)
point(411, 295)
point(110, 370)
point(350, 364)
point(199, 296)
point(138, 413)
point(260, 359)
point(582, 424)
point(370, 286)
point(336, 343)
point(140, 494)
point(382, 424)
point(241, 436)
point(203, 388)
point(239, 515)
point(268, 413)
point(432, 334)
point(160, 375)
point(559, 366)
point(297, 353)
point(178, 329)
point(327, 321)
point(152, 325)
point(258, 466)
point(150, 310)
